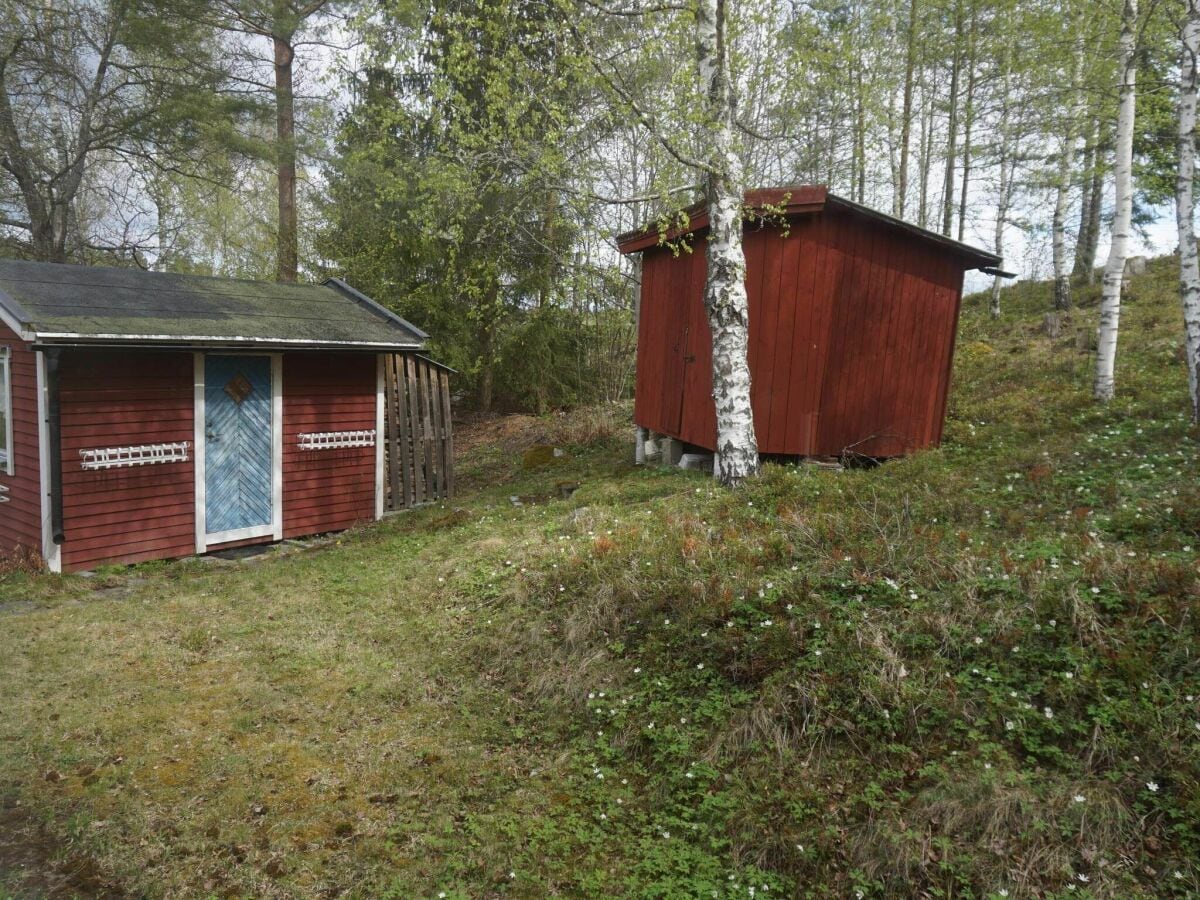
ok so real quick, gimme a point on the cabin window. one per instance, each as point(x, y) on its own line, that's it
point(6, 425)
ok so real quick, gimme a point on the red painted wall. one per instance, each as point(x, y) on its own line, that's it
point(121, 398)
point(21, 516)
point(852, 329)
point(327, 490)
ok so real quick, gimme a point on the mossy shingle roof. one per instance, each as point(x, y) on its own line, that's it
point(56, 303)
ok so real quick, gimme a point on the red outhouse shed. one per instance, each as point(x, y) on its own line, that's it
point(853, 316)
point(147, 415)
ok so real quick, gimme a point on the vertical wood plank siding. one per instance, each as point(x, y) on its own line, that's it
point(852, 327)
point(21, 516)
point(123, 398)
point(327, 490)
point(113, 399)
point(419, 432)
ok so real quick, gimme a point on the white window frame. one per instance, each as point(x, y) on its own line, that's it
point(7, 463)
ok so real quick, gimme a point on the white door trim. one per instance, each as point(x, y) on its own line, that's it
point(51, 552)
point(277, 446)
point(198, 455)
point(380, 392)
point(239, 534)
point(274, 529)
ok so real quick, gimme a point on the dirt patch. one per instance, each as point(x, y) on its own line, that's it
point(518, 432)
point(34, 864)
point(513, 432)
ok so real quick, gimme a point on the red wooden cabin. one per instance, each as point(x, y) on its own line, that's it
point(853, 316)
point(148, 415)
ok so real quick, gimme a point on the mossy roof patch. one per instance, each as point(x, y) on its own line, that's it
point(57, 302)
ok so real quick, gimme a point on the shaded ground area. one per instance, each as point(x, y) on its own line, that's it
point(33, 862)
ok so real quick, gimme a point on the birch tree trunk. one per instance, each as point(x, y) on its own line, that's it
point(926, 160)
point(1085, 254)
point(1005, 165)
point(725, 288)
point(968, 121)
point(910, 57)
point(1185, 205)
point(1088, 168)
point(1066, 159)
point(952, 125)
point(1104, 385)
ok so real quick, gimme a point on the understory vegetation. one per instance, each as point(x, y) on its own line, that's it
point(968, 673)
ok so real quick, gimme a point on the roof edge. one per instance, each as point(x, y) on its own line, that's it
point(798, 199)
point(184, 341)
point(439, 365)
point(375, 307)
point(15, 316)
point(794, 198)
point(984, 257)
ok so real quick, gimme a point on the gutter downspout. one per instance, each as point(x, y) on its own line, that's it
point(54, 433)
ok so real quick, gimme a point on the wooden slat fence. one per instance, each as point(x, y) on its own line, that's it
point(419, 438)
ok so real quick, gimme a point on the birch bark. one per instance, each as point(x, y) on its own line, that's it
point(1185, 205)
point(901, 196)
point(725, 289)
point(1005, 164)
point(1089, 213)
point(1066, 159)
point(1104, 384)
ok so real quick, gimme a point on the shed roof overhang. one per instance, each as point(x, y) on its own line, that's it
point(50, 305)
point(794, 201)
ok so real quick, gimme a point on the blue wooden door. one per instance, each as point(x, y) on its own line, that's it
point(237, 443)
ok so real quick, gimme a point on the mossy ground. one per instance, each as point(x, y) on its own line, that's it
point(965, 673)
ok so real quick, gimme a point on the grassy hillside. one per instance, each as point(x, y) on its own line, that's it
point(968, 673)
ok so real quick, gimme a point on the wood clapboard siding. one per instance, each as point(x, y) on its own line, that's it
point(327, 490)
point(21, 516)
point(112, 398)
point(852, 326)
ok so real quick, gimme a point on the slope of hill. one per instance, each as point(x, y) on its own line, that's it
point(972, 672)
point(966, 672)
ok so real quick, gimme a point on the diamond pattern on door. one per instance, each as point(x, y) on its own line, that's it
point(237, 446)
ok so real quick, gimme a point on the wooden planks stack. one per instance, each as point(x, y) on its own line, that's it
point(419, 437)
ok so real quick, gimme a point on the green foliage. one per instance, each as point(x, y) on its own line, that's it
point(466, 230)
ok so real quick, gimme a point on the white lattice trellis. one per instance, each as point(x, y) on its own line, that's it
point(142, 455)
point(336, 440)
point(3, 493)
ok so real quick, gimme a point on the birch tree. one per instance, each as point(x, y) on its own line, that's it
point(910, 53)
point(1089, 207)
point(1005, 163)
point(725, 288)
point(714, 130)
point(1104, 384)
point(1185, 206)
point(1066, 159)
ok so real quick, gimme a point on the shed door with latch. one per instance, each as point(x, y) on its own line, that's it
point(237, 439)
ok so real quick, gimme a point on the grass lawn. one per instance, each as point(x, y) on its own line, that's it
point(969, 673)
point(305, 725)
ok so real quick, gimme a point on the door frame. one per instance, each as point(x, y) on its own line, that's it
point(274, 529)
